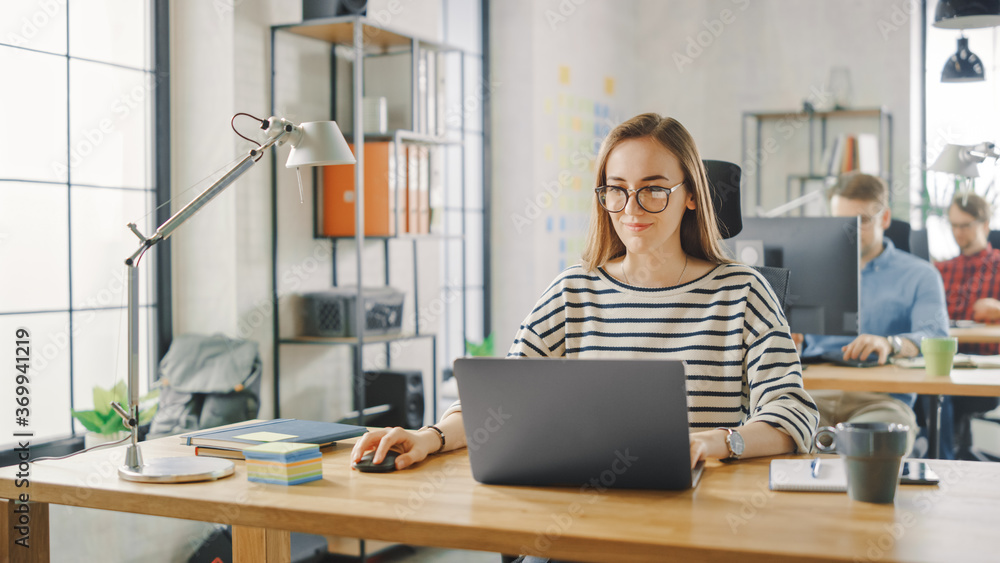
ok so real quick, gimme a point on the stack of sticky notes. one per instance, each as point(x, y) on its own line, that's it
point(284, 463)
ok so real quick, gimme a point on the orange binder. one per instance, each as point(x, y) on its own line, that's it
point(339, 195)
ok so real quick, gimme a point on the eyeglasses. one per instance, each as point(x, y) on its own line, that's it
point(964, 226)
point(652, 199)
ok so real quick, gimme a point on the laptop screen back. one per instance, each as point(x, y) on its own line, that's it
point(602, 423)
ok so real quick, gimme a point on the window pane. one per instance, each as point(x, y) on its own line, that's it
point(474, 171)
point(464, 24)
point(474, 318)
point(100, 353)
point(472, 103)
point(474, 248)
point(453, 177)
point(34, 247)
point(48, 373)
point(109, 125)
point(34, 25)
point(113, 31)
point(101, 242)
point(37, 152)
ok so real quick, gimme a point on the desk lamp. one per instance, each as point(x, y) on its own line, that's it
point(963, 160)
point(317, 143)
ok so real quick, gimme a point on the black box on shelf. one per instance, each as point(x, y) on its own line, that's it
point(334, 313)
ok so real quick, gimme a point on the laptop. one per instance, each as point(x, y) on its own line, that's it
point(586, 423)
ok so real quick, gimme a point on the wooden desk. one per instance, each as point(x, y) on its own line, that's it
point(731, 516)
point(893, 379)
point(978, 334)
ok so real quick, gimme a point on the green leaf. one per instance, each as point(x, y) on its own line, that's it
point(90, 420)
point(483, 349)
point(102, 400)
point(114, 425)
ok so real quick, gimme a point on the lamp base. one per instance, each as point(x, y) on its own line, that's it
point(178, 470)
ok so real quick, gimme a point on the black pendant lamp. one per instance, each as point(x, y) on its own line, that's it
point(963, 66)
point(967, 14)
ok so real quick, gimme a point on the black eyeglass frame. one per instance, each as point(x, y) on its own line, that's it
point(601, 193)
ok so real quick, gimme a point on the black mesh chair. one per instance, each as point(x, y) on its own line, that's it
point(899, 233)
point(724, 183)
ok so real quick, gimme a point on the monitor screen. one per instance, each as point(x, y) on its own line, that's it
point(822, 255)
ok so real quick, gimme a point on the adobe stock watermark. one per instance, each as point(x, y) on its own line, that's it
point(883, 546)
point(564, 10)
point(30, 26)
point(899, 16)
point(752, 504)
point(437, 480)
point(563, 521)
point(458, 111)
point(697, 43)
point(91, 138)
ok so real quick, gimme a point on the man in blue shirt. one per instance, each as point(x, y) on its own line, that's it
point(902, 301)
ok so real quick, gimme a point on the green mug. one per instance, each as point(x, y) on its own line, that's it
point(939, 354)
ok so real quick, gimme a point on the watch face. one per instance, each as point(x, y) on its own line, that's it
point(736, 443)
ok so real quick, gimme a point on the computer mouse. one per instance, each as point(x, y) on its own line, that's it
point(365, 463)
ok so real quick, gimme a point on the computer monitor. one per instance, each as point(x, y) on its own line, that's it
point(822, 255)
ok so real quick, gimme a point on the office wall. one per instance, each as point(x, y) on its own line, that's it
point(710, 61)
point(562, 75)
point(703, 62)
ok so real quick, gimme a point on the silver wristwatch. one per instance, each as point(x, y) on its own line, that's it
point(896, 343)
point(734, 441)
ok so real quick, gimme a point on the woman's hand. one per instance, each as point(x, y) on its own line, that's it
point(415, 445)
point(708, 443)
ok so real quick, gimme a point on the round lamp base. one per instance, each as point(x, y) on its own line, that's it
point(178, 470)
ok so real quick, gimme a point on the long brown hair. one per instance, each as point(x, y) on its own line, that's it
point(699, 230)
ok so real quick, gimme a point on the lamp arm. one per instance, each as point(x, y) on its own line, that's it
point(982, 151)
point(278, 131)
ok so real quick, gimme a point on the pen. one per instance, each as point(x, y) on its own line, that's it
point(815, 467)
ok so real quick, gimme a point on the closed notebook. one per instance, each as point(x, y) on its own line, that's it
point(797, 475)
point(278, 430)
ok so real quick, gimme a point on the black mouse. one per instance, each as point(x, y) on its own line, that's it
point(388, 464)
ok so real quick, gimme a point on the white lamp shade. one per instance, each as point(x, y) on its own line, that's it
point(956, 159)
point(320, 143)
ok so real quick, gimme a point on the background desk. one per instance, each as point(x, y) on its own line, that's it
point(892, 379)
point(731, 516)
point(979, 334)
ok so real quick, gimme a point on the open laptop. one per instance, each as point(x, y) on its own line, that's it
point(588, 423)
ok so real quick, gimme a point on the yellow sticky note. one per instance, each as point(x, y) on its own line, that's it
point(547, 105)
point(563, 161)
point(265, 436)
point(548, 152)
point(563, 74)
point(563, 142)
point(576, 123)
point(609, 86)
point(577, 184)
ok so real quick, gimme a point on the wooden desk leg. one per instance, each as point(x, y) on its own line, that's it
point(261, 545)
point(934, 427)
point(24, 532)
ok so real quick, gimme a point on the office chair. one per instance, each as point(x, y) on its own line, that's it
point(919, 244)
point(724, 183)
point(899, 233)
point(994, 238)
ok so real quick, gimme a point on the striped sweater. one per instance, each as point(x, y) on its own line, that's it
point(741, 363)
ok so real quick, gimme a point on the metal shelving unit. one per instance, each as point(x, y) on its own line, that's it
point(814, 119)
point(367, 39)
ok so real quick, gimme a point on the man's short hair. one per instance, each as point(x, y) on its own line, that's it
point(974, 205)
point(862, 187)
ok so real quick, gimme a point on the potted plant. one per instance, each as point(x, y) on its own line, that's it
point(103, 424)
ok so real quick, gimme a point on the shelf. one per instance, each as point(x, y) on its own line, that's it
point(859, 112)
point(340, 30)
point(352, 340)
point(406, 236)
point(404, 136)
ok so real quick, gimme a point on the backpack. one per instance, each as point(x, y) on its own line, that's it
point(206, 381)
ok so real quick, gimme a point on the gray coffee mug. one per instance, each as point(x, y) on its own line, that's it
point(872, 452)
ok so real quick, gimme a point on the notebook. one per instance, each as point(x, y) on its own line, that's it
point(278, 430)
point(577, 422)
point(797, 475)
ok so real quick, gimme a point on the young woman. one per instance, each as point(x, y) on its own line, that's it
point(655, 283)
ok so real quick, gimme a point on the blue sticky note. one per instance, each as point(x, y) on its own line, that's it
point(548, 224)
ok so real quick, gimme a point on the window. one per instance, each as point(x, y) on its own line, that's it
point(963, 113)
point(78, 165)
